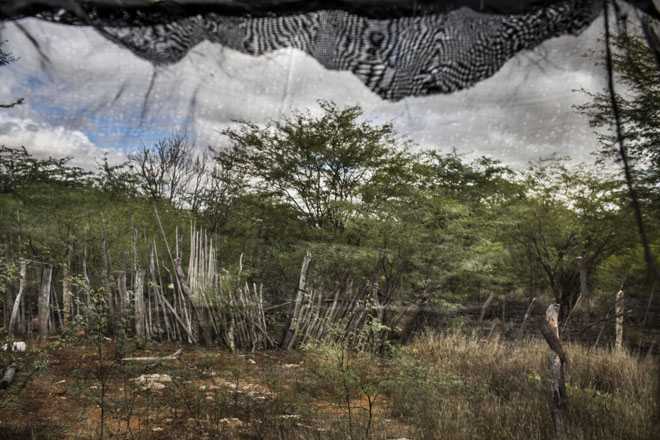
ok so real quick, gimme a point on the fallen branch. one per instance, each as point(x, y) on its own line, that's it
point(8, 377)
point(173, 356)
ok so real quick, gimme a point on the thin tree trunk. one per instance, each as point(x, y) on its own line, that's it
point(123, 297)
point(619, 311)
point(58, 310)
point(584, 289)
point(139, 308)
point(66, 295)
point(105, 272)
point(44, 302)
point(9, 300)
point(21, 288)
point(88, 309)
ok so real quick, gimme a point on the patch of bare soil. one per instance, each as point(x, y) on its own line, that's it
point(204, 394)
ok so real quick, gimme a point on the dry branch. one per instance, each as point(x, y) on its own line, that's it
point(171, 357)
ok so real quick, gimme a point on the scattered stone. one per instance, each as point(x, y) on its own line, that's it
point(156, 429)
point(291, 365)
point(251, 361)
point(153, 382)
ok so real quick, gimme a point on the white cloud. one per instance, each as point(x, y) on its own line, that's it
point(45, 140)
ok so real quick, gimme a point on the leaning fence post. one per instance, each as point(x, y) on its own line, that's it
point(556, 386)
point(482, 315)
point(528, 313)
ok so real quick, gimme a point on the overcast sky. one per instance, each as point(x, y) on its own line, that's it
point(85, 97)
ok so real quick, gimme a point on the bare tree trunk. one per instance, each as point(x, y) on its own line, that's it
point(584, 289)
point(44, 302)
point(124, 300)
point(21, 287)
point(58, 310)
point(288, 337)
point(556, 387)
point(88, 312)
point(66, 295)
point(9, 301)
point(139, 307)
point(619, 311)
point(105, 273)
point(485, 306)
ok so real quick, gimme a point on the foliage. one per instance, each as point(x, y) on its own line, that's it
point(7, 58)
point(322, 166)
point(636, 70)
point(346, 368)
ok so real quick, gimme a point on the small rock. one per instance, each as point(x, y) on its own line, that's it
point(156, 386)
point(156, 429)
point(291, 365)
point(251, 361)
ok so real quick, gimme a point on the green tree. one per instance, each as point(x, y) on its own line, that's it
point(636, 70)
point(561, 214)
point(322, 166)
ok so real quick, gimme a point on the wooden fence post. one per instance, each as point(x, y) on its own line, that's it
point(287, 338)
point(17, 301)
point(139, 308)
point(556, 386)
point(485, 306)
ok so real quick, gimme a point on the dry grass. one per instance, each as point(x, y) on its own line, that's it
point(496, 390)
